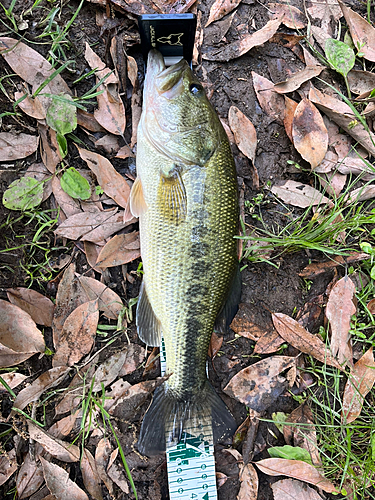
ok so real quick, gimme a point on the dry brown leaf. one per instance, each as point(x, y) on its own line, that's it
point(19, 336)
point(320, 35)
point(15, 146)
point(88, 121)
point(198, 42)
point(63, 427)
point(45, 381)
point(269, 342)
point(68, 205)
point(244, 132)
point(118, 389)
point(121, 249)
point(109, 143)
point(133, 398)
point(260, 384)
point(92, 251)
point(271, 102)
point(362, 194)
point(78, 335)
point(49, 149)
point(30, 477)
point(244, 325)
point(92, 226)
point(301, 435)
point(341, 114)
point(90, 475)
point(328, 164)
point(37, 305)
point(108, 371)
point(332, 183)
point(316, 268)
point(299, 195)
point(290, 489)
point(321, 9)
point(289, 41)
point(108, 300)
point(359, 384)
point(357, 166)
point(136, 104)
point(153, 362)
point(340, 308)
point(310, 136)
point(135, 355)
point(290, 108)
point(248, 483)
point(31, 106)
point(42, 492)
point(132, 68)
point(74, 392)
point(8, 465)
point(297, 79)
point(66, 452)
point(116, 473)
point(296, 469)
point(221, 8)
point(70, 295)
point(310, 60)
point(371, 306)
point(240, 47)
point(362, 33)
point(113, 184)
point(59, 483)
point(111, 112)
point(125, 152)
point(31, 66)
point(13, 379)
point(290, 16)
point(361, 82)
point(39, 172)
point(102, 453)
point(215, 344)
point(293, 333)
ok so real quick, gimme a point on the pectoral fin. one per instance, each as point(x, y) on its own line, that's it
point(148, 325)
point(172, 197)
point(137, 201)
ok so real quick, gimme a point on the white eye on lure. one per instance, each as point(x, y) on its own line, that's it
point(195, 88)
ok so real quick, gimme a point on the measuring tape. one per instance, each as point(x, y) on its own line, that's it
point(190, 463)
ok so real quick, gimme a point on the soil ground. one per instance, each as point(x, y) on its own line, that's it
point(265, 288)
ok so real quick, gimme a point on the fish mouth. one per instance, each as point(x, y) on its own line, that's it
point(155, 62)
point(171, 70)
point(167, 81)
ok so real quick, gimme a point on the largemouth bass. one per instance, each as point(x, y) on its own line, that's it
point(185, 196)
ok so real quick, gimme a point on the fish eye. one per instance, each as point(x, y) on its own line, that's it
point(195, 88)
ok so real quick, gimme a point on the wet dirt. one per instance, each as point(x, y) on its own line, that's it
point(265, 288)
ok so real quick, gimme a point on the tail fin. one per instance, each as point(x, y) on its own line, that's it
point(169, 415)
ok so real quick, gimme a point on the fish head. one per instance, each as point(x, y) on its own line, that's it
point(178, 118)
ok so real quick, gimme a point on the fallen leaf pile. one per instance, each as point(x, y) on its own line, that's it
point(258, 385)
point(95, 375)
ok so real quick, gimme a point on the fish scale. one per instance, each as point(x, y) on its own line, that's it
point(188, 225)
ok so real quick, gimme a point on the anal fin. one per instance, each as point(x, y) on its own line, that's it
point(148, 325)
point(230, 306)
